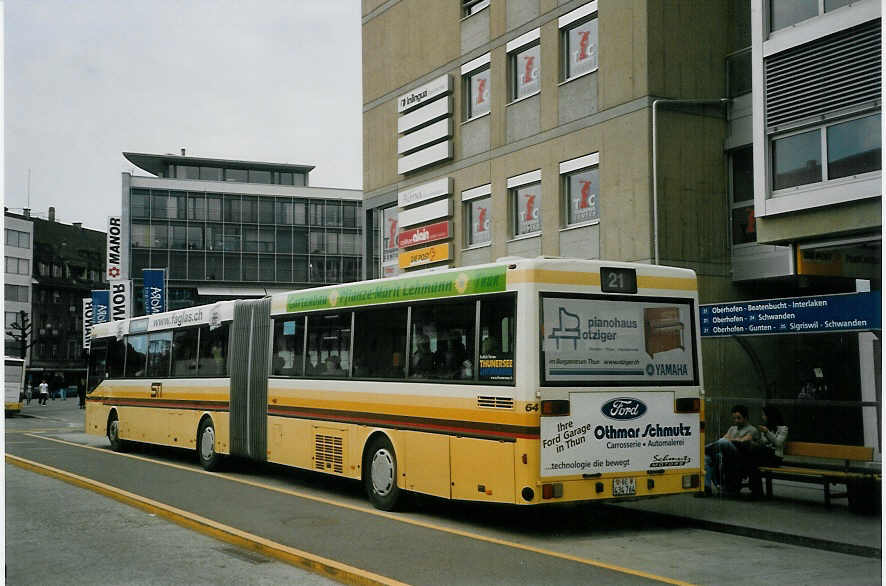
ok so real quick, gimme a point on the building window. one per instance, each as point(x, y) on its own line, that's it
point(741, 183)
point(140, 204)
point(18, 266)
point(16, 293)
point(524, 65)
point(579, 41)
point(187, 172)
point(238, 175)
point(196, 206)
point(785, 13)
point(259, 176)
point(56, 271)
point(581, 189)
point(854, 147)
point(850, 148)
point(525, 203)
point(476, 84)
point(17, 238)
point(477, 204)
point(469, 7)
point(284, 178)
point(211, 173)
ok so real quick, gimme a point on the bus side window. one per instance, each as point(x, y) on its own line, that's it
point(329, 345)
point(497, 338)
point(212, 360)
point(289, 341)
point(116, 358)
point(136, 355)
point(97, 364)
point(159, 354)
point(442, 340)
point(379, 343)
point(184, 352)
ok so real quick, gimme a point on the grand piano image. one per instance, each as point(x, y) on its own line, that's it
point(569, 329)
point(663, 329)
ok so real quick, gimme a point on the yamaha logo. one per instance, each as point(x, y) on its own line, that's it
point(623, 409)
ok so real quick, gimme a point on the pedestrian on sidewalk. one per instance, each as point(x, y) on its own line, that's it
point(725, 458)
point(28, 392)
point(81, 392)
point(770, 450)
point(44, 392)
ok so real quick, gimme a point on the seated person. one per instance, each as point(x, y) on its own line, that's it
point(422, 364)
point(333, 366)
point(770, 450)
point(724, 458)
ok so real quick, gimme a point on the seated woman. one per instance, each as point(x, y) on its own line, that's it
point(770, 450)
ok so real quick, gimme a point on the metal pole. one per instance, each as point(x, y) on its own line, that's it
point(655, 104)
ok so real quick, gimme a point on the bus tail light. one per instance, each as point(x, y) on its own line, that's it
point(687, 405)
point(691, 481)
point(555, 407)
point(549, 491)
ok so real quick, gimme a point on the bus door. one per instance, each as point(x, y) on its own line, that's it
point(248, 363)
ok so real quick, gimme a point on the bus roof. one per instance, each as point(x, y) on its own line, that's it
point(477, 279)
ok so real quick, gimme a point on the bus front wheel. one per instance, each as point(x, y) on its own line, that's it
point(380, 475)
point(209, 458)
point(117, 444)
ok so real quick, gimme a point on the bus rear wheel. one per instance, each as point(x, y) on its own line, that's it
point(380, 475)
point(117, 444)
point(209, 458)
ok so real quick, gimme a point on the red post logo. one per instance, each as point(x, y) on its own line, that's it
point(585, 194)
point(530, 207)
point(481, 87)
point(527, 71)
point(392, 233)
point(481, 220)
point(583, 45)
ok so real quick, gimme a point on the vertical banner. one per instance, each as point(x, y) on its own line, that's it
point(390, 251)
point(121, 299)
point(101, 306)
point(87, 322)
point(114, 268)
point(154, 290)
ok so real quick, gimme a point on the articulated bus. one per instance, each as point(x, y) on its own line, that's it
point(524, 381)
point(14, 378)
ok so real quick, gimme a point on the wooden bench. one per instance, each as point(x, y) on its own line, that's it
point(827, 464)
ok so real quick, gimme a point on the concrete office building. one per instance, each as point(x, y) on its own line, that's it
point(227, 229)
point(639, 131)
point(19, 257)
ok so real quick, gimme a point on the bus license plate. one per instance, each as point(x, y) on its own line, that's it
point(624, 487)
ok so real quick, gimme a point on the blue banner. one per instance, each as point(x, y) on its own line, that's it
point(101, 306)
point(154, 290)
point(849, 312)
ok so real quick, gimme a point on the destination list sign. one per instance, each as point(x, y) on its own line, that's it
point(826, 313)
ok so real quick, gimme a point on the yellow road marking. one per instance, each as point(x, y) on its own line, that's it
point(318, 564)
point(394, 517)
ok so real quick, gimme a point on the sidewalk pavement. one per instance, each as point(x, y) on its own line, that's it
point(796, 514)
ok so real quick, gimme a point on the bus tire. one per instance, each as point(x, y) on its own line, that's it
point(117, 444)
point(380, 474)
point(209, 458)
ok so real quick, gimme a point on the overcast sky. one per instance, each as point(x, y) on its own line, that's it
point(85, 80)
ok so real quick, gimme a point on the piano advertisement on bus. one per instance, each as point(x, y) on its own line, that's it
point(623, 432)
point(598, 340)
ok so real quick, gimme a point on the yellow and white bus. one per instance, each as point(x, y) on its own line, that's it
point(14, 378)
point(523, 381)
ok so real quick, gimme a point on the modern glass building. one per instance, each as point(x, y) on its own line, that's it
point(227, 228)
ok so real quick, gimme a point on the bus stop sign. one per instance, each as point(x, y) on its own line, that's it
point(848, 312)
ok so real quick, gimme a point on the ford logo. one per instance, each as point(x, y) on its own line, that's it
point(623, 408)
